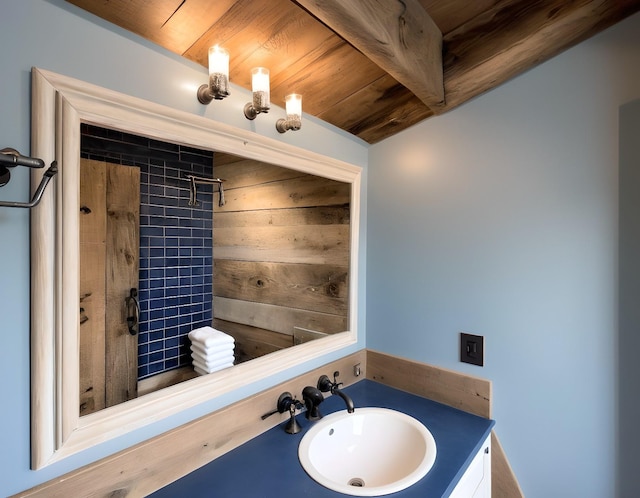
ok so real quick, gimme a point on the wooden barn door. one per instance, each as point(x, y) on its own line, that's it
point(109, 266)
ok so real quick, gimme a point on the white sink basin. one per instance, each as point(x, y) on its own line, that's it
point(370, 452)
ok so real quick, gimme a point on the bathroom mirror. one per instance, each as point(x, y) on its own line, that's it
point(60, 105)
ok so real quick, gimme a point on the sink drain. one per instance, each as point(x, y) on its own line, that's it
point(356, 482)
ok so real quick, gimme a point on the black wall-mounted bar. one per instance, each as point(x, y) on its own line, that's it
point(10, 158)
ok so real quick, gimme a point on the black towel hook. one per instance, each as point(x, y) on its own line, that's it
point(10, 158)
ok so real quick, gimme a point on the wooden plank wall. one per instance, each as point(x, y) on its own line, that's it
point(471, 394)
point(465, 392)
point(280, 256)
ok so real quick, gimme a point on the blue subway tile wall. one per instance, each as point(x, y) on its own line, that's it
point(176, 241)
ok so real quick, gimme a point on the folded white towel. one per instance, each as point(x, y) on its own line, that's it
point(226, 348)
point(200, 371)
point(212, 365)
point(200, 368)
point(209, 337)
point(213, 359)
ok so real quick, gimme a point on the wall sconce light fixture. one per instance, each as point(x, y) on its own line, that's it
point(261, 93)
point(218, 87)
point(293, 103)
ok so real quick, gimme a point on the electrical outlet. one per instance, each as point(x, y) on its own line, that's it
point(472, 349)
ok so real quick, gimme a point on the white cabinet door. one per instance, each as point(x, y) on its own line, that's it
point(476, 481)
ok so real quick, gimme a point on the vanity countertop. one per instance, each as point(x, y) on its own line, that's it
point(268, 465)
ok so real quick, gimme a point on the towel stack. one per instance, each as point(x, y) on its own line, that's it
point(211, 350)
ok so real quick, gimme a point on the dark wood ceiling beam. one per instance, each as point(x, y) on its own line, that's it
point(517, 35)
point(398, 36)
point(449, 14)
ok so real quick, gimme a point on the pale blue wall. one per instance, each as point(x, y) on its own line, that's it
point(500, 219)
point(56, 36)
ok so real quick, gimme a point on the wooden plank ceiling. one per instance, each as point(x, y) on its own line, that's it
point(370, 67)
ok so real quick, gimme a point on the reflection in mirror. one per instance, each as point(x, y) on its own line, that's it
point(265, 259)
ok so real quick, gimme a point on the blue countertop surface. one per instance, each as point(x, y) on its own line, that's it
point(268, 466)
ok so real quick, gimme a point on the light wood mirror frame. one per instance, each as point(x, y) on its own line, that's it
point(59, 105)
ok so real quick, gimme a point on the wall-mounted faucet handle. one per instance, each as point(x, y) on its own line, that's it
point(324, 384)
point(286, 402)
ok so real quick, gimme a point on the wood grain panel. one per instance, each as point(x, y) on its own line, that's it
point(516, 35)
point(390, 108)
point(241, 30)
point(464, 392)
point(324, 244)
point(174, 23)
point(322, 288)
point(292, 31)
point(504, 483)
point(248, 172)
point(93, 227)
point(280, 319)
point(122, 268)
point(109, 248)
point(253, 342)
point(321, 215)
point(330, 77)
point(180, 451)
point(449, 15)
point(302, 191)
point(316, 53)
point(185, 25)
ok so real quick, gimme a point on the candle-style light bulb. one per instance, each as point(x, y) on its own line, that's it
point(219, 72)
point(260, 87)
point(218, 87)
point(261, 100)
point(293, 106)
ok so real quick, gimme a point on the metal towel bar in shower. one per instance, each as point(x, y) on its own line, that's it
point(194, 181)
